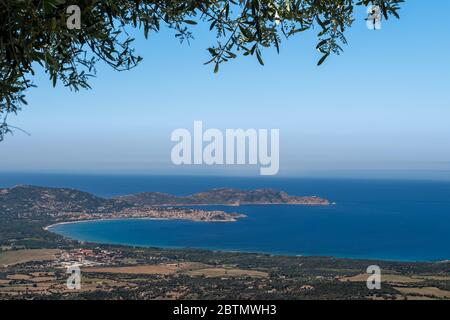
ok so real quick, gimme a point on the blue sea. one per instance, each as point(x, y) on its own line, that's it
point(375, 219)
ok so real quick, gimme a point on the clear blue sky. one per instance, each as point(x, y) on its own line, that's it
point(381, 109)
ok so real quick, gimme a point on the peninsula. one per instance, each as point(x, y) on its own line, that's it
point(65, 205)
point(223, 196)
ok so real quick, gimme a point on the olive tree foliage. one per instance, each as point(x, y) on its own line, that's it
point(34, 34)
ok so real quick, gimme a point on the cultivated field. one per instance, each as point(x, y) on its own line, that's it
point(188, 268)
point(227, 272)
point(426, 292)
point(9, 258)
point(161, 269)
point(389, 278)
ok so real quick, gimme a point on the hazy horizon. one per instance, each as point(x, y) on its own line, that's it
point(438, 176)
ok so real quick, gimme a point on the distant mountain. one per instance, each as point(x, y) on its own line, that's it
point(32, 200)
point(222, 196)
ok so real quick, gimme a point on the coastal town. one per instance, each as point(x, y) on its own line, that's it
point(168, 213)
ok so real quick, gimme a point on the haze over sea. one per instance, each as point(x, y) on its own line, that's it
point(379, 219)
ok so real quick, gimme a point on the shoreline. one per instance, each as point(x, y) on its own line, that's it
point(46, 228)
